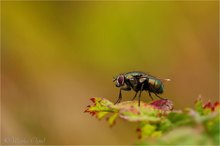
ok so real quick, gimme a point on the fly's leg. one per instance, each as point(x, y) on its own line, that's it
point(160, 97)
point(134, 96)
point(139, 97)
point(120, 94)
point(150, 95)
point(119, 97)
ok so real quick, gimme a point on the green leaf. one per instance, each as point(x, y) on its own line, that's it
point(100, 115)
point(206, 108)
point(129, 110)
point(181, 136)
point(112, 118)
point(146, 112)
point(180, 119)
point(147, 130)
point(212, 127)
point(199, 106)
point(158, 124)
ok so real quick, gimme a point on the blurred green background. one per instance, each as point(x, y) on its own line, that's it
point(56, 55)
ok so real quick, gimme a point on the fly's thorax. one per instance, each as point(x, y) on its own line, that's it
point(155, 85)
point(132, 81)
point(128, 76)
point(134, 74)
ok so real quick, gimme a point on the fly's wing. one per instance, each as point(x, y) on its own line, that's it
point(143, 78)
point(165, 80)
point(139, 77)
point(132, 79)
point(148, 76)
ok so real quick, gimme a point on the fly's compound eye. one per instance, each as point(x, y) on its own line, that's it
point(120, 81)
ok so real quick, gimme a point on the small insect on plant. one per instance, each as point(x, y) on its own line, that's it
point(139, 81)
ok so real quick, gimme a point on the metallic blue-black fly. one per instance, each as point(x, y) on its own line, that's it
point(139, 81)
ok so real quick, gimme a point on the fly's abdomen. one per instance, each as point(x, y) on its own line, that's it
point(155, 86)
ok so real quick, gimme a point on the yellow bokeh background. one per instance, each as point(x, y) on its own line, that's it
point(56, 55)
